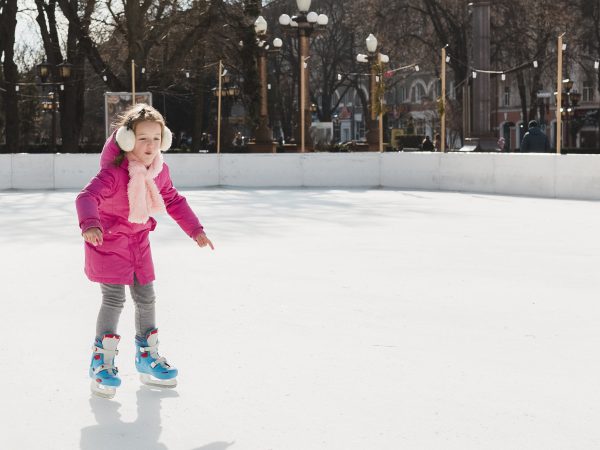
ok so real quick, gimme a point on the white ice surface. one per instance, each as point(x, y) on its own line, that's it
point(324, 319)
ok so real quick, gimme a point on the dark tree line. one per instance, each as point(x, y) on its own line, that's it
point(169, 38)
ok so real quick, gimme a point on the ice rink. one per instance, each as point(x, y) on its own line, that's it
point(325, 319)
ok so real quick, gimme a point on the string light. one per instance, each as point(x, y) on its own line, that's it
point(596, 64)
point(474, 74)
point(535, 64)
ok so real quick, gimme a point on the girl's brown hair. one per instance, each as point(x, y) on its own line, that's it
point(129, 118)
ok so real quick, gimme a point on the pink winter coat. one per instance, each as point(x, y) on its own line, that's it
point(103, 203)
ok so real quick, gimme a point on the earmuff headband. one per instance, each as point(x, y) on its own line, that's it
point(125, 137)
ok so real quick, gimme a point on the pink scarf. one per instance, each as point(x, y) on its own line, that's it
point(144, 197)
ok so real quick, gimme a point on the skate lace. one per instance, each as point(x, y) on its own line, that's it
point(108, 355)
point(153, 350)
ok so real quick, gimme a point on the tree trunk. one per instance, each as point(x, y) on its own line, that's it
point(11, 108)
point(72, 99)
point(523, 96)
point(198, 123)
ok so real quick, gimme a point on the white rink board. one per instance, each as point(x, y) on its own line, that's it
point(538, 175)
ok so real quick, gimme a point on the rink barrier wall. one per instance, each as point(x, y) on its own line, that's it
point(538, 175)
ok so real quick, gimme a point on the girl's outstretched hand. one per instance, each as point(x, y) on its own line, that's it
point(93, 236)
point(203, 241)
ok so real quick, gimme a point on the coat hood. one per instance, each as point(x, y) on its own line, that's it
point(109, 152)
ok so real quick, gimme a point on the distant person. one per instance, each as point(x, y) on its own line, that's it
point(437, 141)
point(238, 140)
point(114, 212)
point(427, 145)
point(535, 140)
point(204, 142)
point(501, 143)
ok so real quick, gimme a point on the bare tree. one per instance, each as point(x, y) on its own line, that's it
point(72, 97)
point(524, 34)
point(8, 24)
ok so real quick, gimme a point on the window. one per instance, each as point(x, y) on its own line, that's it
point(436, 89)
point(506, 99)
point(417, 93)
point(420, 92)
point(344, 99)
point(360, 130)
point(588, 91)
point(402, 94)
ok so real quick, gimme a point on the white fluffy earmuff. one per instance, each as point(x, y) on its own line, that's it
point(166, 139)
point(125, 137)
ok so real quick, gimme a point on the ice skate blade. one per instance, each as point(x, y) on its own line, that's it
point(102, 391)
point(155, 382)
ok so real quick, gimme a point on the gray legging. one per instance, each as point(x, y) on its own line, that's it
point(113, 299)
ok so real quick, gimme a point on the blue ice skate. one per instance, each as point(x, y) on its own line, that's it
point(154, 369)
point(102, 368)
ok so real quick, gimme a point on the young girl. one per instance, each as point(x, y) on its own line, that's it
point(114, 212)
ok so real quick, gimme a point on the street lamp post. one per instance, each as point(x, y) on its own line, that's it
point(304, 24)
point(376, 61)
point(569, 100)
point(53, 77)
point(263, 134)
point(224, 89)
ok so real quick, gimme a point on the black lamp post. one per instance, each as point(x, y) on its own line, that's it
point(570, 100)
point(303, 25)
point(263, 134)
point(376, 61)
point(226, 88)
point(53, 77)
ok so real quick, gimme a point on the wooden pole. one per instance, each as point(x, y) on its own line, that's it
point(302, 101)
point(380, 72)
point(219, 93)
point(443, 98)
point(381, 129)
point(559, 75)
point(133, 82)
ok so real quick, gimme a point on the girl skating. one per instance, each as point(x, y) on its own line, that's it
point(114, 212)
